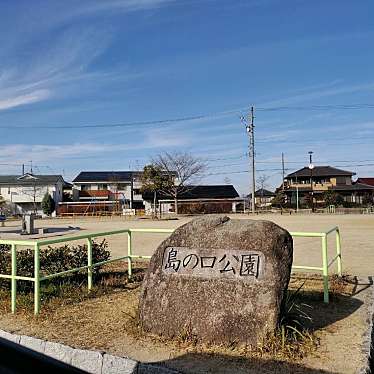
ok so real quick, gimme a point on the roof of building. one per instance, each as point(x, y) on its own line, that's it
point(321, 171)
point(347, 188)
point(30, 179)
point(369, 181)
point(262, 192)
point(106, 176)
point(353, 187)
point(226, 191)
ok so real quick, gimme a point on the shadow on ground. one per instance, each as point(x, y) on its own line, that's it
point(48, 230)
point(220, 364)
point(324, 315)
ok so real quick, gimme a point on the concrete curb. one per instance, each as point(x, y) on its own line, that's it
point(367, 339)
point(90, 361)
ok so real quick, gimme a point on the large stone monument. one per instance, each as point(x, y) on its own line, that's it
point(219, 280)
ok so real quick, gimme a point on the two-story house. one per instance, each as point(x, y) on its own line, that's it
point(25, 192)
point(303, 183)
point(105, 191)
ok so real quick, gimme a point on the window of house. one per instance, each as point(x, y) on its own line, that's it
point(85, 187)
point(102, 186)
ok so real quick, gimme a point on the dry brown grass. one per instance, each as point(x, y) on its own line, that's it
point(106, 318)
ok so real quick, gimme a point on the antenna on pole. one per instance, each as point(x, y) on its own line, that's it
point(250, 128)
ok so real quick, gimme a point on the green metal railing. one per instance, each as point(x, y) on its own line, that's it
point(37, 244)
point(325, 264)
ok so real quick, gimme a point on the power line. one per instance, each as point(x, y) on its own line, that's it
point(317, 107)
point(193, 117)
point(129, 124)
point(279, 170)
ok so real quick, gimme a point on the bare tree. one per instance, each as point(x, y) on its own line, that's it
point(115, 182)
point(261, 184)
point(227, 180)
point(182, 169)
point(261, 181)
point(34, 191)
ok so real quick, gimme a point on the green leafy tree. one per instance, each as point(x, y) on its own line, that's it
point(155, 180)
point(333, 198)
point(279, 200)
point(2, 205)
point(367, 200)
point(48, 204)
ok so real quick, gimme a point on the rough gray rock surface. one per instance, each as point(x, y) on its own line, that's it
point(213, 304)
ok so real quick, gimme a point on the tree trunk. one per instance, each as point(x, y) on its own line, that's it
point(154, 204)
point(176, 205)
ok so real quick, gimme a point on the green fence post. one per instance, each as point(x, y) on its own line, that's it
point(129, 254)
point(325, 270)
point(89, 263)
point(339, 251)
point(14, 280)
point(36, 279)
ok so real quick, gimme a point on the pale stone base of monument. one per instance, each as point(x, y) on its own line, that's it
point(218, 280)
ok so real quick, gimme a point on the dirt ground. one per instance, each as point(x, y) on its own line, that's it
point(357, 236)
point(107, 322)
point(107, 319)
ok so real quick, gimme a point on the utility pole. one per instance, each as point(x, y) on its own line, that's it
point(311, 167)
point(282, 171)
point(250, 127)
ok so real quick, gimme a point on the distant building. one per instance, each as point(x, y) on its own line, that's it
point(367, 181)
point(110, 185)
point(321, 179)
point(25, 192)
point(196, 199)
point(263, 197)
point(104, 191)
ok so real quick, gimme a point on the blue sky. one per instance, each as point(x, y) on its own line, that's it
point(76, 63)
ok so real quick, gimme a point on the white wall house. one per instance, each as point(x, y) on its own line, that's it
point(24, 193)
point(124, 186)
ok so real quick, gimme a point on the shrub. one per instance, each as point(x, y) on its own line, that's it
point(52, 260)
point(333, 198)
point(48, 204)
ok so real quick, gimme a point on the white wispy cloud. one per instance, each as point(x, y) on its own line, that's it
point(62, 65)
point(321, 93)
point(29, 98)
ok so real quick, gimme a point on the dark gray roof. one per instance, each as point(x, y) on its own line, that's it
point(353, 187)
point(321, 171)
point(262, 192)
point(225, 191)
point(348, 188)
point(30, 179)
point(106, 176)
